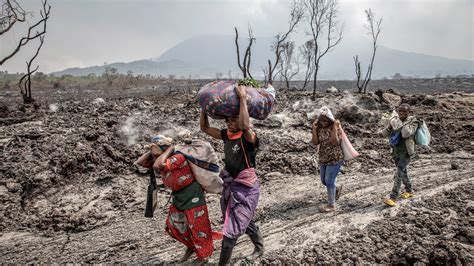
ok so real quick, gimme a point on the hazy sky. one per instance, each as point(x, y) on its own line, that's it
point(90, 32)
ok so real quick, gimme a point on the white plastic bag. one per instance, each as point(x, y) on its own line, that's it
point(422, 135)
point(346, 146)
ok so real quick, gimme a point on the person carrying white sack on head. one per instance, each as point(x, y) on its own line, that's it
point(333, 148)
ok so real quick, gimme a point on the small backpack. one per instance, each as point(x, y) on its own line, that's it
point(422, 135)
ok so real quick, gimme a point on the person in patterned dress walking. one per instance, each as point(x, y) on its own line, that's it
point(188, 218)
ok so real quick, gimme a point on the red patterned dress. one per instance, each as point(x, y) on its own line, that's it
point(188, 219)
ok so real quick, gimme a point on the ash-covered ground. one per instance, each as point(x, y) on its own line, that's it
point(70, 194)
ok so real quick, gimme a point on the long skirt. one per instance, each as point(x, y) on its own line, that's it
point(238, 204)
point(192, 228)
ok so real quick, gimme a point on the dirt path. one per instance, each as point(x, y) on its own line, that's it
point(287, 215)
point(69, 192)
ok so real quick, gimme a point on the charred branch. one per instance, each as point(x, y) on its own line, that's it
point(244, 66)
point(10, 13)
point(373, 29)
point(322, 18)
point(289, 63)
point(296, 15)
point(32, 33)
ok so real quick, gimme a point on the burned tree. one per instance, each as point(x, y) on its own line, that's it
point(289, 63)
point(325, 31)
point(296, 15)
point(12, 13)
point(244, 66)
point(25, 82)
point(373, 29)
point(265, 75)
point(306, 52)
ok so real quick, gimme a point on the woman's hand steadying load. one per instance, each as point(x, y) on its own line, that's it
point(155, 151)
point(314, 126)
point(241, 91)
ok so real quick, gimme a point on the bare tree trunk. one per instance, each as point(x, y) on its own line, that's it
point(242, 68)
point(265, 75)
point(289, 66)
point(296, 14)
point(357, 71)
point(25, 82)
point(270, 73)
point(245, 64)
point(374, 29)
point(307, 51)
point(307, 75)
point(315, 79)
point(322, 15)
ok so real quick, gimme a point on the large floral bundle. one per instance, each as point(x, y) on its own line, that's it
point(219, 100)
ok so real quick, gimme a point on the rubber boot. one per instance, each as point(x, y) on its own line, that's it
point(257, 239)
point(226, 250)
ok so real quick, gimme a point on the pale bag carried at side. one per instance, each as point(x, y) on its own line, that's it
point(422, 135)
point(203, 151)
point(347, 149)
